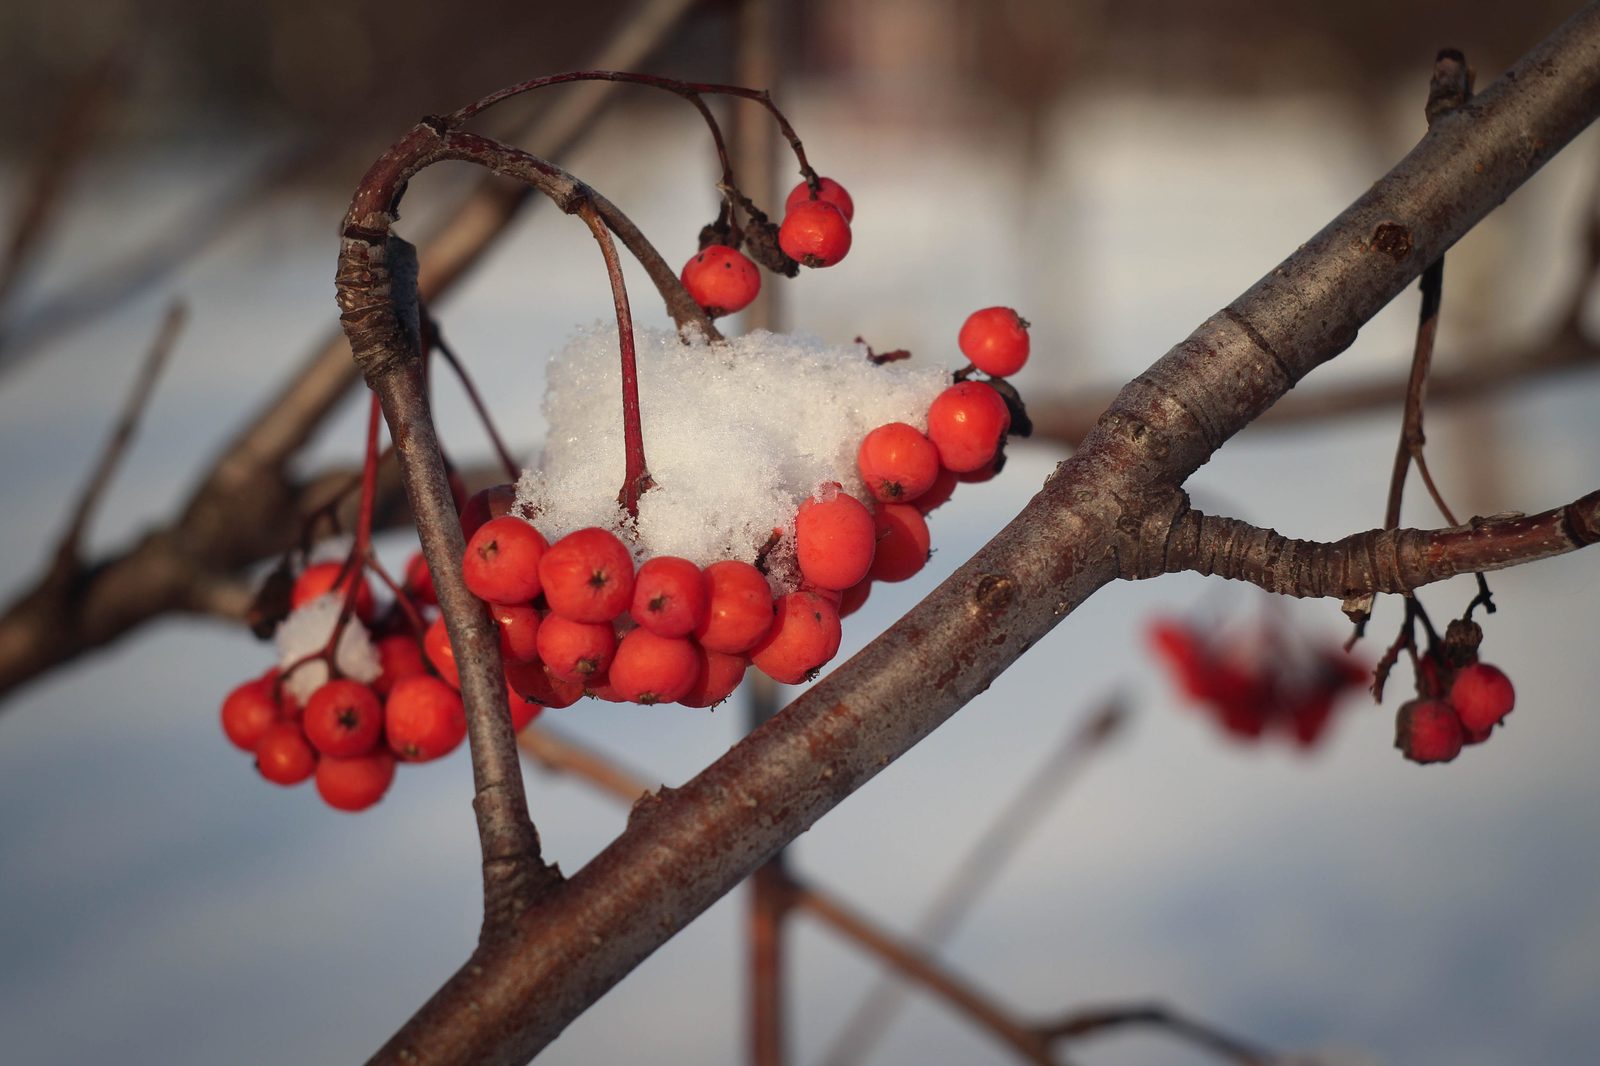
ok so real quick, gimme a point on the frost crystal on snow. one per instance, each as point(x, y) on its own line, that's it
point(736, 435)
point(307, 630)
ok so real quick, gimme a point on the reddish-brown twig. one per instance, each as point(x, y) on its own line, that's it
point(975, 871)
point(434, 340)
point(1081, 1023)
point(636, 474)
point(69, 555)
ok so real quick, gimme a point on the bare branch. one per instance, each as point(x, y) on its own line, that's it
point(975, 871)
point(685, 848)
point(1379, 560)
point(69, 554)
point(1229, 1048)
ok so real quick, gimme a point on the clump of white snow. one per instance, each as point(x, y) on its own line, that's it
point(307, 630)
point(736, 435)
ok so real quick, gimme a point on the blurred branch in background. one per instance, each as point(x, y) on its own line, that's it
point(248, 507)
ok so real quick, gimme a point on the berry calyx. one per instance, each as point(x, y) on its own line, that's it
point(1482, 695)
point(649, 668)
point(995, 339)
point(738, 609)
point(424, 719)
point(805, 634)
point(576, 651)
point(283, 756)
point(967, 422)
point(587, 576)
point(669, 596)
point(357, 783)
point(721, 280)
point(501, 564)
point(834, 538)
point(343, 718)
point(828, 191)
point(1428, 731)
point(897, 462)
point(248, 712)
point(815, 233)
point(903, 543)
point(319, 579)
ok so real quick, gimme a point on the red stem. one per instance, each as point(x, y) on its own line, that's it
point(636, 475)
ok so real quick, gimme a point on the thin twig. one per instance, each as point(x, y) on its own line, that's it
point(70, 553)
point(435, 340)
point(975, 871)
point(1230, 1048)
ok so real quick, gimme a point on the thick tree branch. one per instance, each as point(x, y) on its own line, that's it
point(685, 848)
point(1378, 560)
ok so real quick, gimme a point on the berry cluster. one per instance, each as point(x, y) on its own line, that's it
point(347, 732)
point(1459, 699)
point(1258, 686)
point(815, 233)
point(576, 616)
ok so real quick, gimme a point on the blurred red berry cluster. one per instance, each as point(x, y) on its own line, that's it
point(1261, 684)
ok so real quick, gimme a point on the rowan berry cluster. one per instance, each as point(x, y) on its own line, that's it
point(379, 707)
point(1459, 699)
point(1258, 686)
point(815, 233)
point(578, 613)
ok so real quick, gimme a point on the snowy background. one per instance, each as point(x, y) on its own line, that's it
point(161, 904)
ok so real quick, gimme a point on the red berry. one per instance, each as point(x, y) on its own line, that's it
point(343, 718)
point(318, 580)
point(398, 656)
point(903, 541)
point(805, 635)
point(721, 280)
point(738, 609)
point(654, 669)
point(966, 422)
point(1428, 731)
point(587, 576)
point(284, 756)
point(533, 683)
point(492, 502)
point(828, 191)
point(357, 783)
point(996, 340)
point(833, 538)
point(852, 598)
point(519, 631)
point(501, 564)
point(897, 462)
point(944, 486)
point(669, 596)
point(720, 674)
point(815, 233)
point(424, 719)
point(248, 712)
point(1482, 695)
point(418, 582)
point(436, 642)
point(576, 651)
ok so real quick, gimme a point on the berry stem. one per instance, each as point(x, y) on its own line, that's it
point(433, 338)
point(636, 474)
point(689, 90)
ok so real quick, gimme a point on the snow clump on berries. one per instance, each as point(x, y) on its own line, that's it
point(737, 435)
point(306, 632)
